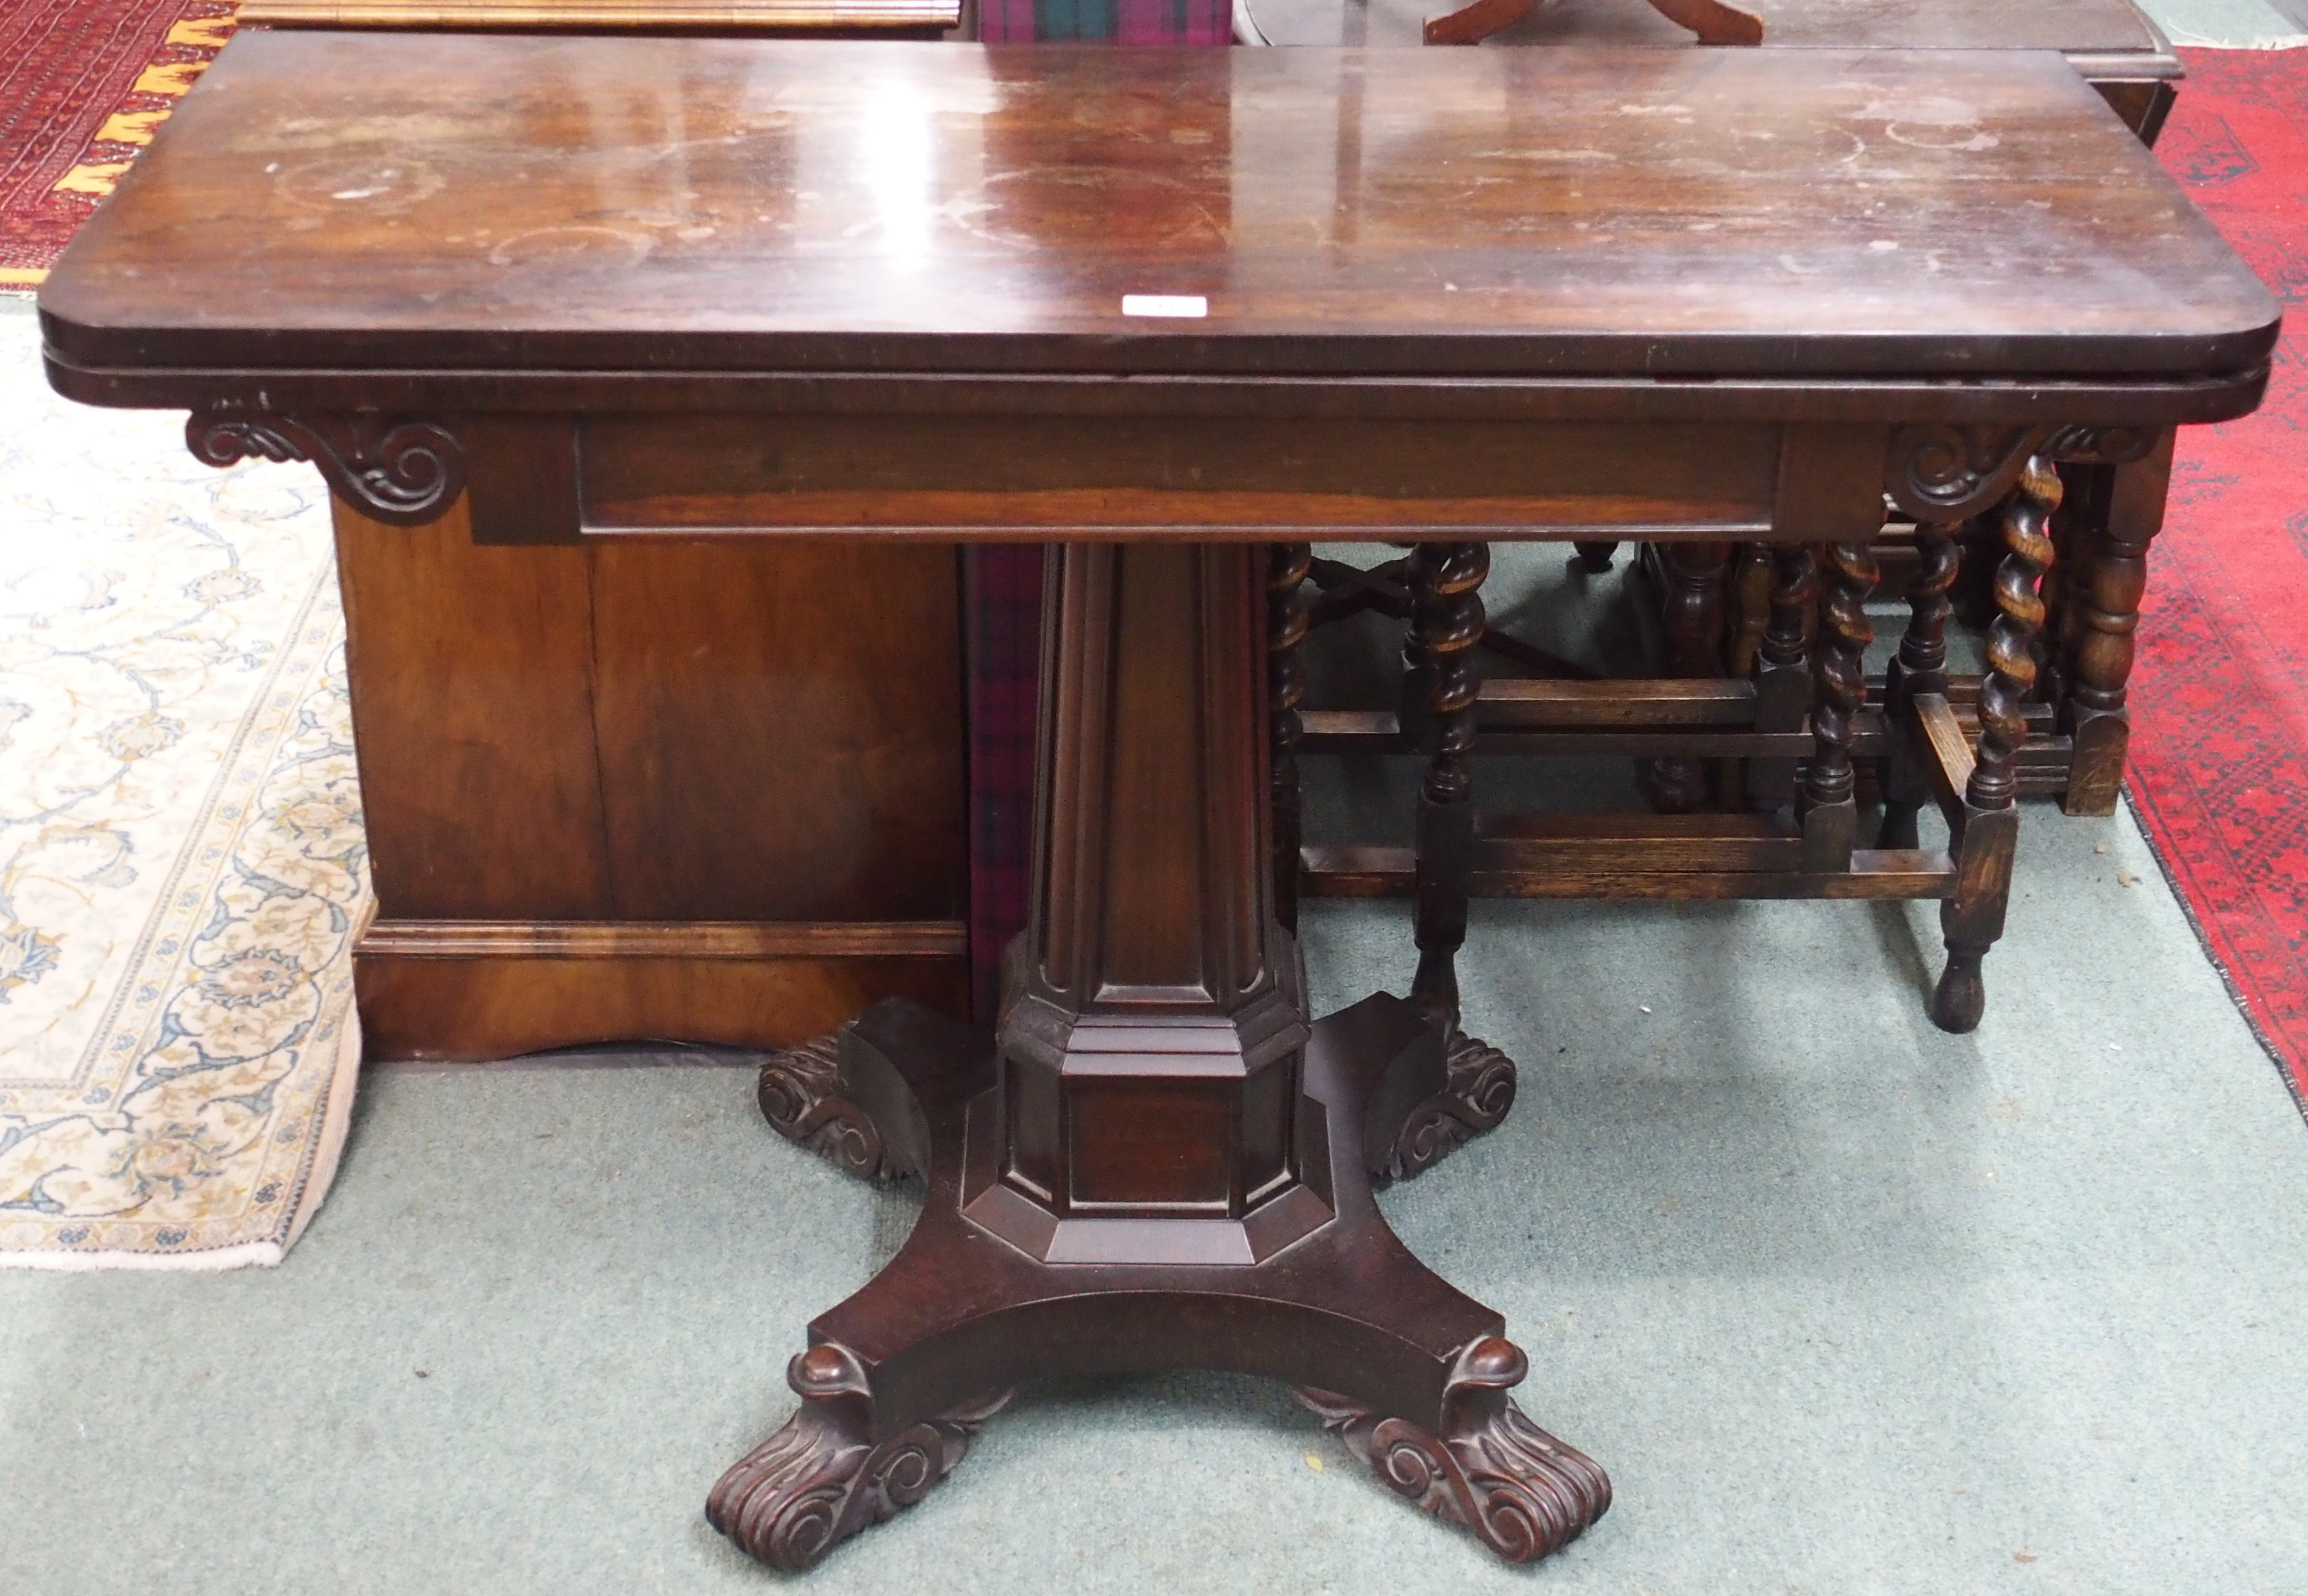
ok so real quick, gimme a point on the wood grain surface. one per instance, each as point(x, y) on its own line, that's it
point(438, 201)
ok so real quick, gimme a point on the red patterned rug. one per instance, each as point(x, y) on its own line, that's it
point(2220, 699)
point(82, 84)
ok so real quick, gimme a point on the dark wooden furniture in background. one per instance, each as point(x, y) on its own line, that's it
point(1158, 1160)
point(1712, 599)
point(706, 795)
point(1708, 22)
point(2111, 43)
point(1715, 598)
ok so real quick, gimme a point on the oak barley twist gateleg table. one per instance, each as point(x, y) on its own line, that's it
point(1124, 300)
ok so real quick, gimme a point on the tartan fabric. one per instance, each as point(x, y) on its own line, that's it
point(1003, 588)
point(1118, 21)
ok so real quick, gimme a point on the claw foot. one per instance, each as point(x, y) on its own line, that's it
point(801, 1097)
point(1522, 1492)
point(823, 1477)
point(1481, 1089)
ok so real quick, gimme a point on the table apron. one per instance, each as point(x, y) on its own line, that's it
point(1193, 479)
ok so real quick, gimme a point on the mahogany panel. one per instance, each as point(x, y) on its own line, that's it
point(781, 730)
point(1013, 474)
point(471, 673)
point(473, 1010)
point(712, 731)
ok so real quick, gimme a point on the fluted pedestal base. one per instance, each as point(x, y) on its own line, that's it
point(1412, 1373)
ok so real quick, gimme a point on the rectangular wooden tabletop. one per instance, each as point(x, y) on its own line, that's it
point(348, 200)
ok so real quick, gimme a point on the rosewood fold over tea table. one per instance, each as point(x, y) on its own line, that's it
point(1125, 300)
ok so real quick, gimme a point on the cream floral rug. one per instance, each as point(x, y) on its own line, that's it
point(182, 868)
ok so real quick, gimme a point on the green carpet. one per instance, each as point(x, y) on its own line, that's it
point(1845, 1305)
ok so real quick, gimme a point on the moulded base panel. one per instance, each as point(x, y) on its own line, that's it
point(1412, 1374)
point(474, 1010)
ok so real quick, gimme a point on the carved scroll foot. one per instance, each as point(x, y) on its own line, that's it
point(1481, 1089)
point(823, 1477)
point(802, 1097)
point(1522, 1492)
point(1960, 998)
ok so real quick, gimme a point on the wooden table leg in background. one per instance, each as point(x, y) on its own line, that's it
point(2104, 608)
point(1158, 1162)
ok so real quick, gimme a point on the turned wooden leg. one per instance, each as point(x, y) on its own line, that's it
point(1480, 1089)
point(1594, 558)
point(1988, 832)
point(1839, 667)
point(1783, 667)
point(1692, 623)
point(1289, 610)
point(1447, 622)
point(2104, 599)
point(1921, 667)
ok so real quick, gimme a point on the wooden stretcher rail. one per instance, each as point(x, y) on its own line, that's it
point(1516, 868)
point(1379, 731)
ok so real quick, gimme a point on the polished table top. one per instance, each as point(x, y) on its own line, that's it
point(336, 201)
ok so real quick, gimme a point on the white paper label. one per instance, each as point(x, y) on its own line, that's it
point(1165, 305)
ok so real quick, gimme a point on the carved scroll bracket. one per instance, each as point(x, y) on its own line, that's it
point(1944, 473)
point(402, 470)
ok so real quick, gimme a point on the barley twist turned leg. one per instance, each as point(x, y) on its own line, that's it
point(1921, 667)
point(1446, 624)
point(1973, 919)
point(1840, 668)
point(1288, 612)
